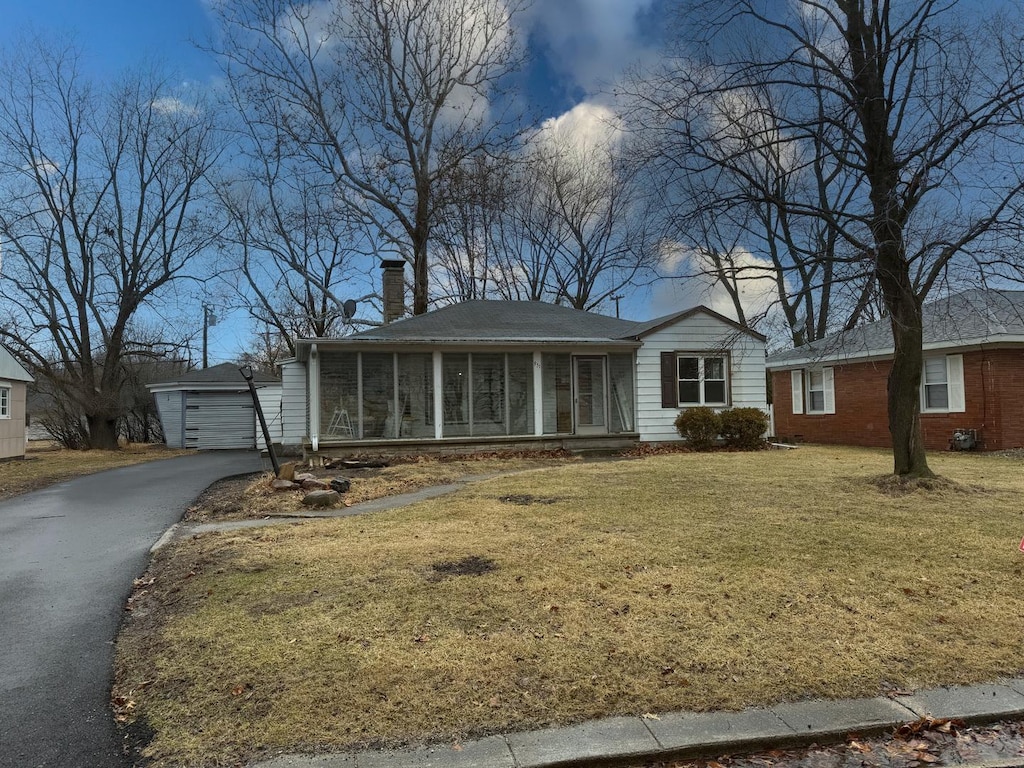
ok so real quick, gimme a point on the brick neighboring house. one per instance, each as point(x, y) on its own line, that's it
point(834, 390)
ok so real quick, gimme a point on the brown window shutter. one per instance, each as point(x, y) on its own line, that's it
point(669, 392)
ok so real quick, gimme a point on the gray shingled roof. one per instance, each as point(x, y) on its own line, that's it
point(483, 321)
point(964, 319)
point(518, 321)
point(225, 373)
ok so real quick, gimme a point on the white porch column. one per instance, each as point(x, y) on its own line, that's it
point(438, 398)
point(538, 394)
point(313, 371)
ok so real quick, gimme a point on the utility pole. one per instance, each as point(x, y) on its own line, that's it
point(616, 299)
point(208, 319)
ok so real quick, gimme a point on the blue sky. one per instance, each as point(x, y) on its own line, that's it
point(577, 49)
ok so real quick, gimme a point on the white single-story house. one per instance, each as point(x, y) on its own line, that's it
point(14, 380)
point(523, 373)
point(211, 408)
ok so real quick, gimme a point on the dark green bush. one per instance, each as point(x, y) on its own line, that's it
point(744, 428)
point(700, 426)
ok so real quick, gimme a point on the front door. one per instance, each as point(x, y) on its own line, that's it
point(591, 402)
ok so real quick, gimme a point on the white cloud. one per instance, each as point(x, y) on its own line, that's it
point(590, 41)
point(170, 105)
point(585, 130)
point(688, 284)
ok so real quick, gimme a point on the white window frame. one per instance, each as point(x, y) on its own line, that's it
point(5, 401)
point(701, 357)
point(955, 399)
point(801, 385)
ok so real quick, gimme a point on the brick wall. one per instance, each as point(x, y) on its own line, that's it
point(993, 391)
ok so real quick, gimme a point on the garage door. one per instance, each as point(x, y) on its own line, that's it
point(220, 420)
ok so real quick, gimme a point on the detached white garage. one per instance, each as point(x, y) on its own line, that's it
point(211, 408)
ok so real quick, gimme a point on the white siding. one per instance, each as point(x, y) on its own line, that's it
point(696, 333)
point(294, 415)
point(220, 420)
point(171, 407)
point(270, 402)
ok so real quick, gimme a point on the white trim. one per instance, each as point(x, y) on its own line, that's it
point(438, 396)
point(955, 382)
point(796, 379)
point(538, 393)
point(829, 378)
point(314, 398)
point(5, 399)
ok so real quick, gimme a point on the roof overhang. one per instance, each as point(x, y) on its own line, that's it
point(218, 386)
point(840, 357)
point(303, 346)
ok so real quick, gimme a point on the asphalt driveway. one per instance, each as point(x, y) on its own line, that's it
point(68, 555)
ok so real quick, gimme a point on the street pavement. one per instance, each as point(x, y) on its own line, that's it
point(68, 555)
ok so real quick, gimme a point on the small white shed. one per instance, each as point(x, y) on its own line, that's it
point(212, 408)
point(14, 381)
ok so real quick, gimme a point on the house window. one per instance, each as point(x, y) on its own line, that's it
point(816, 391)
point(5, 402)
point(702, 380)
point(942, 384)
point(936, 384)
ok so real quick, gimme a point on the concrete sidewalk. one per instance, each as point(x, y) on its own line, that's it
point(686, 735)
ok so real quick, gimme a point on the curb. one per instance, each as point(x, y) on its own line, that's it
point(690, 735)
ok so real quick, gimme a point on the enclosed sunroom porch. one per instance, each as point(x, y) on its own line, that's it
point(358, 398)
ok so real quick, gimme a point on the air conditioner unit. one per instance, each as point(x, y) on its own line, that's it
point(964, 440)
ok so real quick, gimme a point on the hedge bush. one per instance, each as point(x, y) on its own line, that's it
point(744, 428)
point(699, 426)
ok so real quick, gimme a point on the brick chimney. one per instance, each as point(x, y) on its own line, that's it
point(393, 289)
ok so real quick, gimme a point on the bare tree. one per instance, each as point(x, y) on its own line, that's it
point(564, 220)
point(385, 98)
point(593, 219)
point(103, 191)
point(913, 114)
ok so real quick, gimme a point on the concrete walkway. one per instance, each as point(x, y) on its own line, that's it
point(184, 530)
point(676, 735)
point(687, 735)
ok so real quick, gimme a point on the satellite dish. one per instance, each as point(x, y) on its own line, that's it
point(348, 309)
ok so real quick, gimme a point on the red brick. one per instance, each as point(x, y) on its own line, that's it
point(993, 391)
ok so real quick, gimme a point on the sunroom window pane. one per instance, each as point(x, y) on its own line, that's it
point(379, 396)
point(339, 395)
point(416, 394)
point(620, 374)
point(557, 394)
point(455, 397)
point(520, 394)
point(488, 394)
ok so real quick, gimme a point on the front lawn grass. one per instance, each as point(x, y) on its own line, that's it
point(675, 582)
point(45, 464)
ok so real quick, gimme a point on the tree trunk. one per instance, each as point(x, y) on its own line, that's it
point(904, 386)
point(102, 432)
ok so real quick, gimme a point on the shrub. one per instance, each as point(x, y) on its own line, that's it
point(700, 426)
point(744, 428)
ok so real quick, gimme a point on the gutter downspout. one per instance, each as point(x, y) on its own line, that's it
point(313, 374)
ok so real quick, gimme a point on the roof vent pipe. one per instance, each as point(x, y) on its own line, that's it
point(393, 289)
